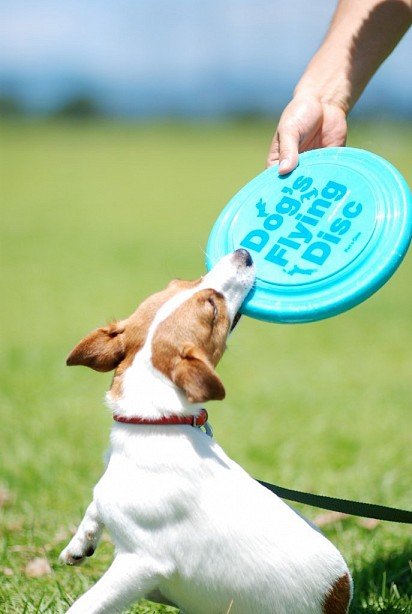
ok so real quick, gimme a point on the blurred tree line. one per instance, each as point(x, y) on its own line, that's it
point(78, 107)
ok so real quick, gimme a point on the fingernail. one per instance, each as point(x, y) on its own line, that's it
point(284, 165)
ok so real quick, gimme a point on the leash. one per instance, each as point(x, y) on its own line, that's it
point(354, 508)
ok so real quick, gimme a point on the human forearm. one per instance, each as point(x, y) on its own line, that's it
point(362, 34)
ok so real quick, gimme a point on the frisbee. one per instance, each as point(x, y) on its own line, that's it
point(323, 238)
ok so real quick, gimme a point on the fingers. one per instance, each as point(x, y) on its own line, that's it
point(284, 150)
point(306, 123)
point(300, 123)
point(273, 155)
point(288, 150)
point(285, 145)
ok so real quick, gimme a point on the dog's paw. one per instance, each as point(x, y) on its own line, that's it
point(76, 552)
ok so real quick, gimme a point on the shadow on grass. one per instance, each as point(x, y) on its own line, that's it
point(384, 584)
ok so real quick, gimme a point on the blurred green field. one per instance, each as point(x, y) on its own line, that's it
point(94, 217)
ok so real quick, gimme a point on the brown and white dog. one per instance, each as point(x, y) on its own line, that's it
point(190, 527)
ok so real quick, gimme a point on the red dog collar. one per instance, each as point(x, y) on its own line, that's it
point(199, 420)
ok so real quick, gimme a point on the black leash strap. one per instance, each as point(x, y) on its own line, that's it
point(354, 508)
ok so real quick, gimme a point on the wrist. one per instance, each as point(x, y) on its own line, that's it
point(326, 90)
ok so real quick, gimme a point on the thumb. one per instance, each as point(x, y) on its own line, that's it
point(288, 150)
point(273, 155)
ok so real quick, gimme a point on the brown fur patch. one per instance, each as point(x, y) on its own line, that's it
point(138, 324)
point(101, 349)
point(190, 342)
point(187, 345)
point(196, 377)
point(114, 346)
point(338, 599)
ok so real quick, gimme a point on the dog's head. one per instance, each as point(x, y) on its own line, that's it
point(179, 333)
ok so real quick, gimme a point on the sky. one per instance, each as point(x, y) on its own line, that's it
point(176, 57)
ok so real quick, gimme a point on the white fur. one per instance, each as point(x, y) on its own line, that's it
point(189, 525)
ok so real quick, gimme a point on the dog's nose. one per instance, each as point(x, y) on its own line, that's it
point(244, 256)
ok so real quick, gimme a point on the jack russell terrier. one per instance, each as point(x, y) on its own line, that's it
point(191, 528)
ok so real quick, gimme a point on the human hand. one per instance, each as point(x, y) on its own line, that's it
point(306, 123)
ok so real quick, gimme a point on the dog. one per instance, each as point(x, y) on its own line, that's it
point(191, 528)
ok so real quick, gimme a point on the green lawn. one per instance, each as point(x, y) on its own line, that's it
point(94, 218)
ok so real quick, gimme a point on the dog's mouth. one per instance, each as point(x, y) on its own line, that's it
point(235, 320)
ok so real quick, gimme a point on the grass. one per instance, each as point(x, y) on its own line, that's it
point(94, 218)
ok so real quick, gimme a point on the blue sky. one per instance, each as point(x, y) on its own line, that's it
point(195, 57)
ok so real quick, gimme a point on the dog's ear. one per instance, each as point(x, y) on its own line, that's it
point(101, 350)
point(195, 375)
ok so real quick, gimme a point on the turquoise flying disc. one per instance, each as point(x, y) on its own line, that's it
point(323, 238)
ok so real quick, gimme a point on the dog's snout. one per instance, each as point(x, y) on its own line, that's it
point(244, 256)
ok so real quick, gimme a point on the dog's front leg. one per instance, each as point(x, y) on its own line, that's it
point(85, 541)
point(128, 579)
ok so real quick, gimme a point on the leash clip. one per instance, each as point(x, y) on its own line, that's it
point(204, 425)
point(208, 429)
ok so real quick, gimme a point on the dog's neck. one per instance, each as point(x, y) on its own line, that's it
point(147, 393)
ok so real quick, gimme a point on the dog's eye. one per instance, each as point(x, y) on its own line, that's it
point(211, 302)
